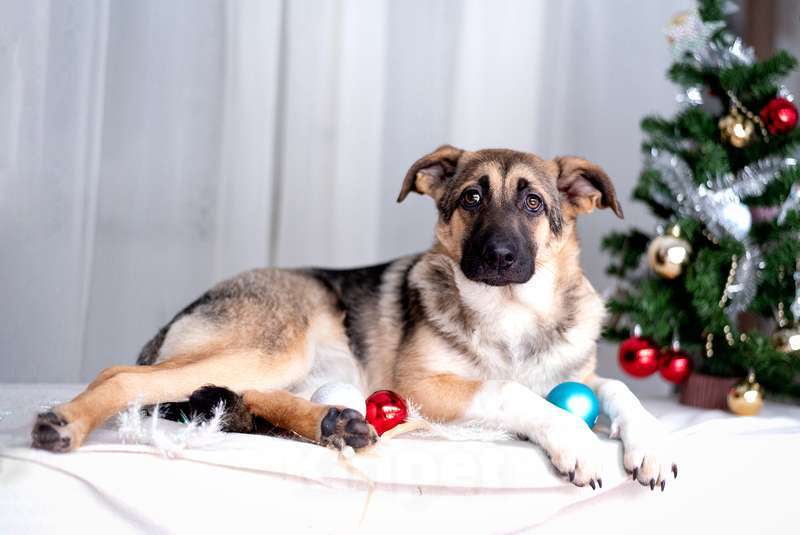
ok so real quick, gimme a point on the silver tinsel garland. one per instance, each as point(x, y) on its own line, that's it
point(722, 212)
point(742, 290)
point(792, 202)
point(691, 96)
point(715, 55)
point(784, 92)
point(752, 180)
point(794, 308)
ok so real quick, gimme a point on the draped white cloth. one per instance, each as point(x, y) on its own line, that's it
point(150, 148)
point(736, 475)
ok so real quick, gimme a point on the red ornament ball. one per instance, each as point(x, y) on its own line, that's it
point(674, 365)
point(638, 356)
point(779, 116)
point(385, 410)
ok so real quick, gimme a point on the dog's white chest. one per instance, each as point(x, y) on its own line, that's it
point(518, 345)
point(517, 338)
point(543, 371)
point(514, 326)
point(538, 369)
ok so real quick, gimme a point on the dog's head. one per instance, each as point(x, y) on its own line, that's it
point(498, 209)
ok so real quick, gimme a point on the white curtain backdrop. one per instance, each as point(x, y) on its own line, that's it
point(150, 148)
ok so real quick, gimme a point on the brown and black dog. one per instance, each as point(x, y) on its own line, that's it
point(480, 326)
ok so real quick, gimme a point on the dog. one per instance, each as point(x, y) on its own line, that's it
point(480, 326)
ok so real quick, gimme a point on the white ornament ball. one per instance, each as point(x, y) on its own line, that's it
point(342, 394)
point(737, 220)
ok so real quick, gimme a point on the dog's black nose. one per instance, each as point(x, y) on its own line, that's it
point(499, 255)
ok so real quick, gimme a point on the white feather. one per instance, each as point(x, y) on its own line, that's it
point(473, 430)
point(133, 427)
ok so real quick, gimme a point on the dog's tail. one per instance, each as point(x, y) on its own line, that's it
point(204, 401)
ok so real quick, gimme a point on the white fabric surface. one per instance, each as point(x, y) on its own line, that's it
point(735, 473)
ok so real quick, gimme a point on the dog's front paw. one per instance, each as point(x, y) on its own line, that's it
point(346, 427)
point(574, 449)
point(648, 456)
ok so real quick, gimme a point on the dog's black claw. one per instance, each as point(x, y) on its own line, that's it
point(675, 470)
point(663, 484)
point(591, 484)
point(600, 482)
point(652, 484)
point(346, 427)
point(635, 474)
point(572, 476)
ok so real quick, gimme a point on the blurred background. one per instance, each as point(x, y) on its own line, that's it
point(149, 149)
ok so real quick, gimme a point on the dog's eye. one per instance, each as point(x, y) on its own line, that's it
point(471, 198)
point(533, 203)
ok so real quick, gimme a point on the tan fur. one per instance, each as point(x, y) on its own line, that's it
point(423, 177)
point(449, 237)
point(295, 300)
point(574, 174)
point(443, 397)
point(287, 411)
point(388, 337)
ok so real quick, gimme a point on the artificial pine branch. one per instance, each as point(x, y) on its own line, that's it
point(711, 10)
point(686, 75)
point(628, 247)
point(756, 83)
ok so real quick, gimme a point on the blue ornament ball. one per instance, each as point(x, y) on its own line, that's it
point(576, 398)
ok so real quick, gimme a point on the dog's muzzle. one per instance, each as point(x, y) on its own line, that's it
point(498, 260)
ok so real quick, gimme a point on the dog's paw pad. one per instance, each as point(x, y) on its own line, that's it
point(346, 427)
point(50, 433)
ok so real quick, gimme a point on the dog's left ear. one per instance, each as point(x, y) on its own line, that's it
point(429, 174)
point(584, 186)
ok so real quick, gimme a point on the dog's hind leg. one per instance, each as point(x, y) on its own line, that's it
point(110, 372)
point(66, 426)
point(324, 424)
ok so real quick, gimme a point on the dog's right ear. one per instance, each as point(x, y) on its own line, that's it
point(429, 174)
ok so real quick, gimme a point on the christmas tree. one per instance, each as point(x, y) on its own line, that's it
point(721, 272)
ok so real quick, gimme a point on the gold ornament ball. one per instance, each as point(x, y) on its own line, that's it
point(667, 255)
point(787, 340)
point(746, 398)
point(736, 129)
